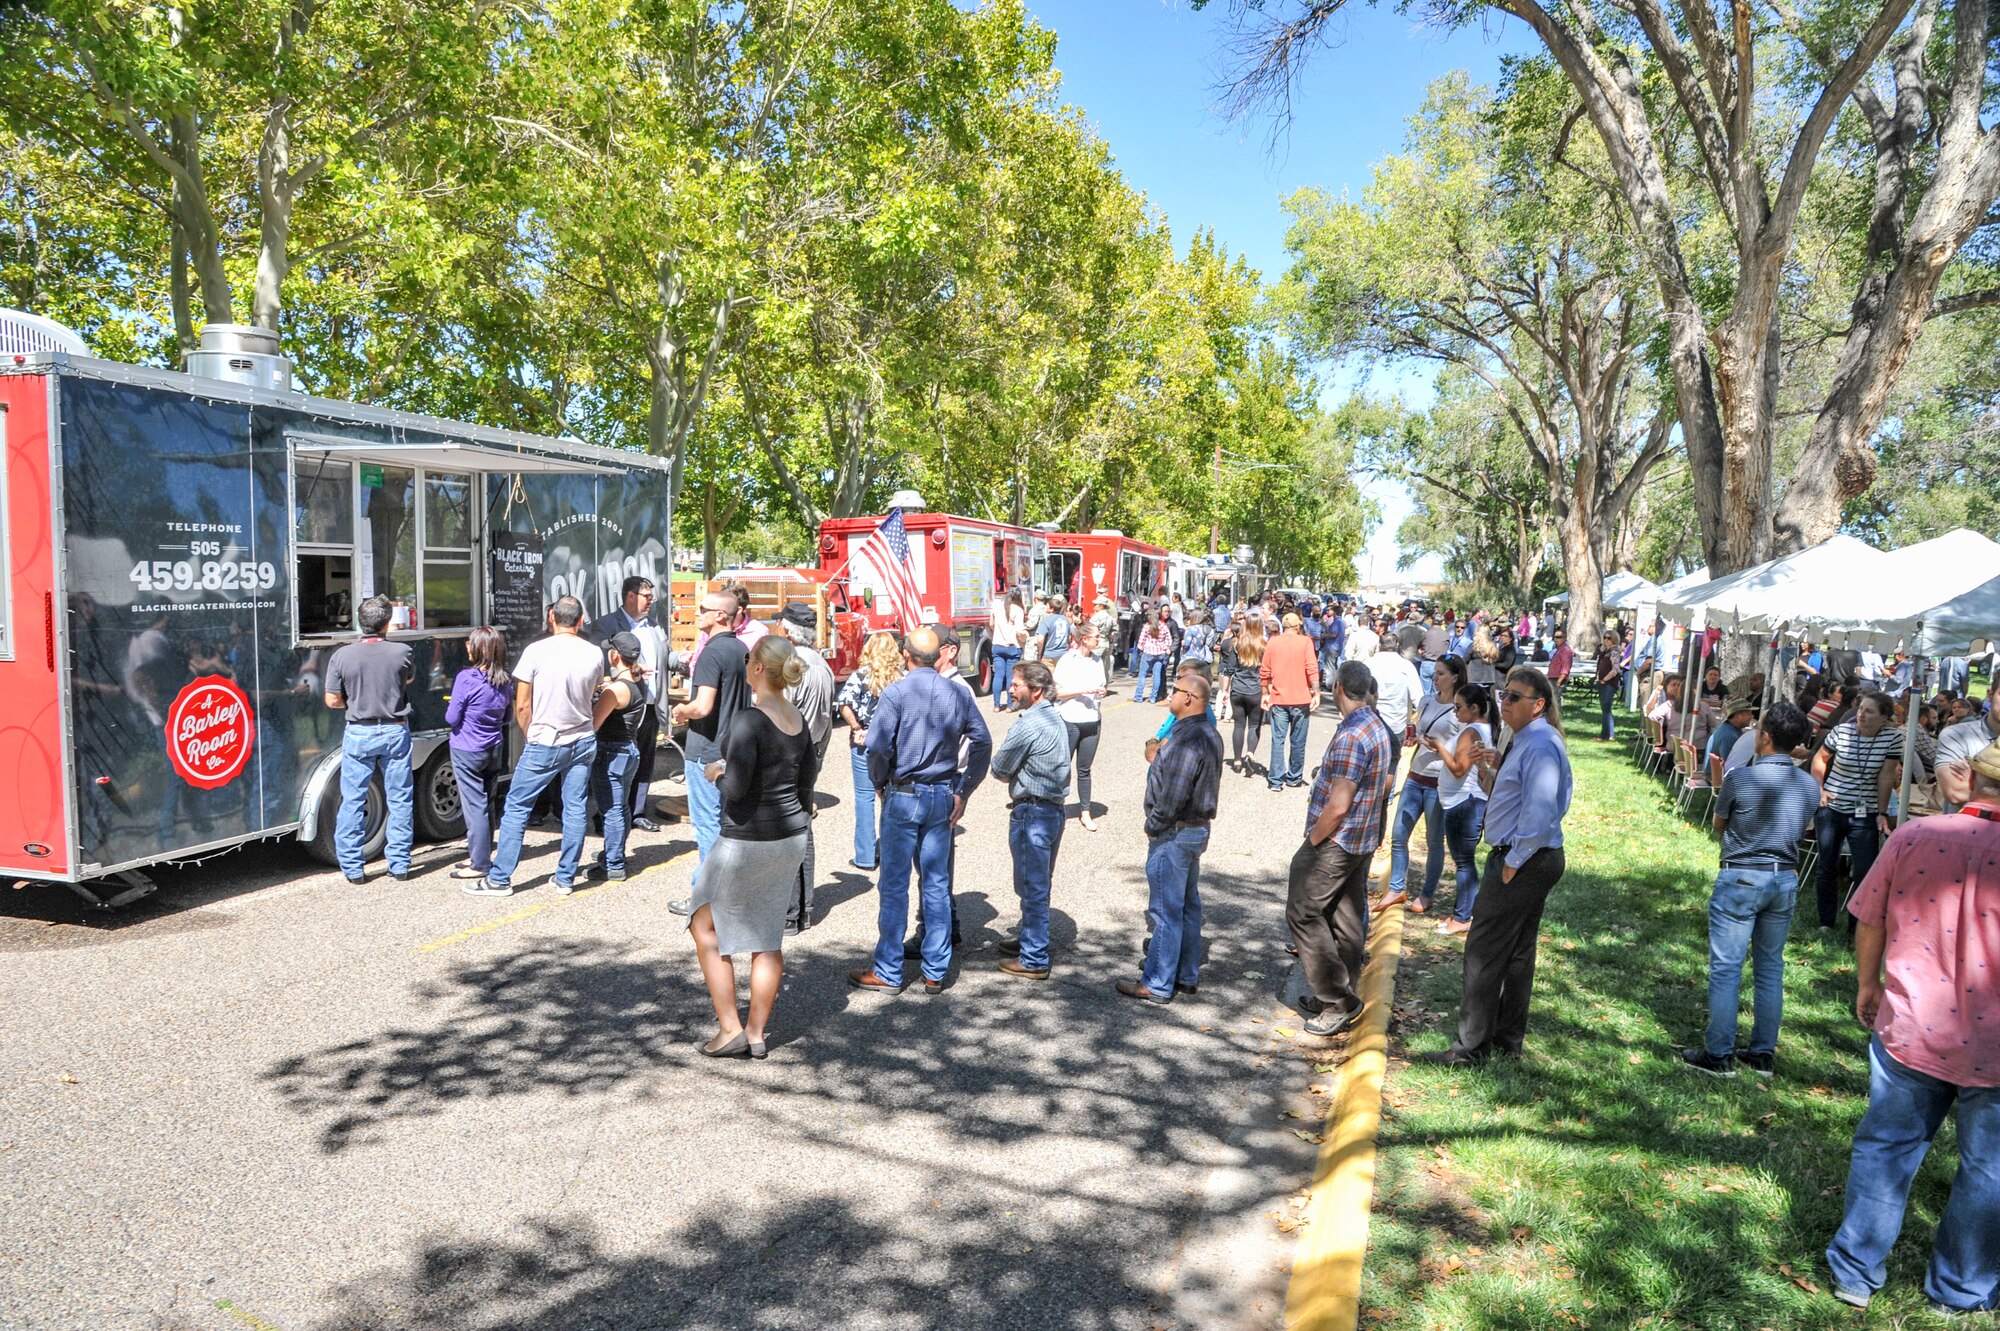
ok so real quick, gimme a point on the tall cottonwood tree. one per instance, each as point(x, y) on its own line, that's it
point(1479, 250)
point(1642, 71)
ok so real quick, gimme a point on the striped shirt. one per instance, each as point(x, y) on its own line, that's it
point(1857, 764)
point(1765, 808)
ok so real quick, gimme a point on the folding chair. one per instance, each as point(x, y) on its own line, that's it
point(1808, 858)
point(1694, 785)
point(1658, 755)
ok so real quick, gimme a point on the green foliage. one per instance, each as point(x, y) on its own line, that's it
point(811, 251)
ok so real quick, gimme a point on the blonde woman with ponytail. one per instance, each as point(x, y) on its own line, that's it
point(766, 775)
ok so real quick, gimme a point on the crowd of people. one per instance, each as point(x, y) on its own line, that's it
point(1813, 768)
point(1815, 773)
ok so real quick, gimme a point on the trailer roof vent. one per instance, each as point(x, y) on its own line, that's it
point(22, 334)
point(240, 354)
point(907, 499)
point(1105, 531)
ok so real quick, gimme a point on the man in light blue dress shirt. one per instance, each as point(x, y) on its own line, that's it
point(1529, 793)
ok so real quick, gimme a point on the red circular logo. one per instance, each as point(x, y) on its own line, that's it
point(209, 732)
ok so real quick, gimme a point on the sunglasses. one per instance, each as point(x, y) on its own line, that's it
point(1512, 696)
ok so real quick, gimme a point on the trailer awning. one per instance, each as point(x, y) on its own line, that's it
point(450, 455)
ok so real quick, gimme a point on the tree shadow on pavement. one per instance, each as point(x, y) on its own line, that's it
point(820, 1262)
point(999, 1060)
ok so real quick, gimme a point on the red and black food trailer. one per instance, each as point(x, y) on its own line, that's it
point(179, 556)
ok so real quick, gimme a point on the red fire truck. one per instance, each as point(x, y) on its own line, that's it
point(1086, 565)
point(960, 567)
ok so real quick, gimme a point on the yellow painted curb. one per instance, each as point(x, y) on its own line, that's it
point(1325, 1290)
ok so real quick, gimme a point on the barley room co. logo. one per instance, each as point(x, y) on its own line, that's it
point(209, 732)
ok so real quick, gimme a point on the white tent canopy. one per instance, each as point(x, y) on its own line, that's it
point(1685, 581)
point(1623, 590)
point(1883, 609)
point(1816, 576)
point(1951, 629)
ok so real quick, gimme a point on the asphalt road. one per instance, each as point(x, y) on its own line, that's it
point(269, 1100)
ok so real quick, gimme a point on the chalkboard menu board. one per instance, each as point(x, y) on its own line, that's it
point(516, 583)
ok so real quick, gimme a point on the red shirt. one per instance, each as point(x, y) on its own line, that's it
point(1936, 889)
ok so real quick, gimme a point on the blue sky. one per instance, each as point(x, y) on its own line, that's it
point(1144, 72)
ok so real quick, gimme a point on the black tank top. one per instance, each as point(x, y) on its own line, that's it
point(622, 726)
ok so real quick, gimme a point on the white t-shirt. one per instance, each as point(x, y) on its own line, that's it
point(1961, 741)
point(1077, 673)
point(1456, 790)
point(1439, 721)
point(1397, 688)
point(563, 670)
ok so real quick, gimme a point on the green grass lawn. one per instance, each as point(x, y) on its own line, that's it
point(1597, 1182)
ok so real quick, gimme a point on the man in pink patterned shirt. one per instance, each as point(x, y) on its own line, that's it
point(1927, 949)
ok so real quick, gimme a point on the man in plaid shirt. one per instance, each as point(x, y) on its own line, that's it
point(1326, 906)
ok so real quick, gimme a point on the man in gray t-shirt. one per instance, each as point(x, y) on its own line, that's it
point(556, 689)
point(369, 680)
point(1761, 813)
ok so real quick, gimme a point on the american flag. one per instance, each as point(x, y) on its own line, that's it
point(888, 549)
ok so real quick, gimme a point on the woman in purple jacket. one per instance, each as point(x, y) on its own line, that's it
point(481, 698)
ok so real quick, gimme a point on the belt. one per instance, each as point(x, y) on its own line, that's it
point(1761, 862)
point(1019, 800)
point(911, 787)
point(378, 723)
point(1202, 822)
point(1428, 782)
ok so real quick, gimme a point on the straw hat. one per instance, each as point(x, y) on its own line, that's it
point(1986, 762)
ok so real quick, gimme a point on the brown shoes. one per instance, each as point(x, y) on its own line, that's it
point(1020, 972)
point(1133, 989)
point(869, 980)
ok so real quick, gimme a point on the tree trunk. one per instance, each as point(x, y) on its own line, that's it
point(274, 199)
point(190, 206)
point(1584, 576)
point(1838, 463)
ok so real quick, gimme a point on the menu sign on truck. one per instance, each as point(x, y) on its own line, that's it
point(516, 582)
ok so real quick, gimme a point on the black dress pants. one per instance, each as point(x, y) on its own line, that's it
point(1326, 905)
point(1500, 953)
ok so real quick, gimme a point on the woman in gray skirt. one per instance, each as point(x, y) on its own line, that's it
point(766, 773)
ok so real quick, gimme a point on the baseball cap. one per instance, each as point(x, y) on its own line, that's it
point(626, 645)
point(800, 613)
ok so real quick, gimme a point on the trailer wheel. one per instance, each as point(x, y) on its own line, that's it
point(374, 825)
point(984, 676)
point(440, 816)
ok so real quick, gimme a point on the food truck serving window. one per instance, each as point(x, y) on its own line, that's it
point(401, 520)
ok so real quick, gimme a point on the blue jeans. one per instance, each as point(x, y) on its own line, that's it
point(1749, 910)
point(1288, 744)
point(1173, 909)
point(541, 766)
point(1418, 801)
point(1905, 1108)
point(611, 774)
point(1830, 828)
point(1034, 834)
point(1462, 825)
point(364, 751)
point(1329, 666)
point(916, 829)
point(704, 800)
point(1004, 660)
point(864, 809)
point(1152, 679)
point(1427, 672)
point(478, 776)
